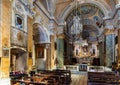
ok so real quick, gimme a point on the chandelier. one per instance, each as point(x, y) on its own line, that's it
point(77, 27)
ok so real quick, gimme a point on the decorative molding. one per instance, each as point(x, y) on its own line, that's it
point(38, 19)
point(109, 31)
point(18, 8)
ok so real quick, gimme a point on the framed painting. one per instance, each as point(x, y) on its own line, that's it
point(5, 52)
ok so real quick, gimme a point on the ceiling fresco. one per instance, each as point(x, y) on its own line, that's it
point(86, 10)
point(91, 16)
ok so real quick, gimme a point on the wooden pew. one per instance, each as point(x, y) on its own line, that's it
point(65, 75)
point(102, 78)
point(36, 81)
point(55, 78)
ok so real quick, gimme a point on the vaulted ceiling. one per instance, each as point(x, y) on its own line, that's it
point(92, 12)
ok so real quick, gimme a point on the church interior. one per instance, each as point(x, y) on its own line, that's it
point(59, 42)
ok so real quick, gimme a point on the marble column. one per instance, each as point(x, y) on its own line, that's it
point(110, 49)
point(60, 51)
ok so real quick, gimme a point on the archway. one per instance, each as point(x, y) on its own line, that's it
point(18, 59)
point(91, 16)
point(41, 40)
point(101, 4)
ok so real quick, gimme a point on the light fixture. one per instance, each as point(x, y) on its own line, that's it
point(77, 27)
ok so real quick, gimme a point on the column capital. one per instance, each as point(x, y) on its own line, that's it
point(60, 36)
point(109, 31)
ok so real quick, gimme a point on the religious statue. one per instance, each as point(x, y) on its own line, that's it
point(76, 28)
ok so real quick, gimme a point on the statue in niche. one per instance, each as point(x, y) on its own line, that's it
point(76, 28)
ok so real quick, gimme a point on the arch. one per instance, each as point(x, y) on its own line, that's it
point(103, 6)
point(18, 59)
point(41, 34)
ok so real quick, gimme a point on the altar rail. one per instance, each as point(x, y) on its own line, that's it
point(72, 67)
point(98, 69)
point(80, 67)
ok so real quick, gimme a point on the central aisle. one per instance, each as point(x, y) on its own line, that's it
point(79, 78)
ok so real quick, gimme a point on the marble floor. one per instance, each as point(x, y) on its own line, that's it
point(79, 78)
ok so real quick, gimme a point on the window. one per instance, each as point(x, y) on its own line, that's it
point(18, 21)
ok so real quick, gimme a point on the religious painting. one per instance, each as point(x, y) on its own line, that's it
point(85, 49)
point(98, 21)
point(18, 21)
point(30, 54)
point(40, 51)
point(5, 52)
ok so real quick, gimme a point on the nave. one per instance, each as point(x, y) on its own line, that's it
point(79, 78)
point(59, 34)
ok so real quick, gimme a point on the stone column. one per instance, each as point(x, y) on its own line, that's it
point(48, 57)
point(52, 52)
point(101, 50)
point(110, 47)
point(33, 55)
point(60, 51)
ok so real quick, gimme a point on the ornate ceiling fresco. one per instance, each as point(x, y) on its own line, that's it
point(86, 10)
point(89, 12)
point(90, 16)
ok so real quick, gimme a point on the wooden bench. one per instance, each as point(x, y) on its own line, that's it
point(55, 78)
point(36, 81)
point(64, 75)
point(102, 78)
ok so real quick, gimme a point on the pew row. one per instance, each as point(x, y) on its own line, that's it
point(44, 77)
point(103, 78)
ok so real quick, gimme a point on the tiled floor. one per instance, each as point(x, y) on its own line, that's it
point(79, 78)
